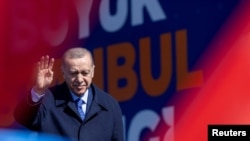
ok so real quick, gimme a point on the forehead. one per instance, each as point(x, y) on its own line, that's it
point(83, 63)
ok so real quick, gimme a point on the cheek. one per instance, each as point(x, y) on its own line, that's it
point(89, 80)
point(68, 78)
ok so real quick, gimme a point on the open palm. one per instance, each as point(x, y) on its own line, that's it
point(44, 75)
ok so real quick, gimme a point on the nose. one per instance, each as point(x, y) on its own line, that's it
point(79, 78)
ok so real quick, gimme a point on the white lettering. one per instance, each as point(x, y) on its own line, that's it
point(243, 133)
point(168, 117)
point(83, 8)
point(215, 132)
point(140, 122)
point(152, 6)
point(112, 23)
point(150, 120)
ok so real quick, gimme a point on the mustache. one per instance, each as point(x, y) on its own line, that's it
point(79, 84)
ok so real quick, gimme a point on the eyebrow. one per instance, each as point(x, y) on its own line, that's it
point(83, 71)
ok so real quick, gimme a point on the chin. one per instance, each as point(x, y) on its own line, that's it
point(79, 93)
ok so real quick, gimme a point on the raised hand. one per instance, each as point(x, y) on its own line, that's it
point(44, 74)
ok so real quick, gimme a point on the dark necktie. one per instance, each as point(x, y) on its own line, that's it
point(79, 103)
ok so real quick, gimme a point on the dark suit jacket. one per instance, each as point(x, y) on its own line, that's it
point(56, 113)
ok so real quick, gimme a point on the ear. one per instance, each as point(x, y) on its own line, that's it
point(93, 71)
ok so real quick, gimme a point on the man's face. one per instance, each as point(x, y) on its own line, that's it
point(78, 74)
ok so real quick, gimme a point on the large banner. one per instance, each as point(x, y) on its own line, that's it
point(175, 66)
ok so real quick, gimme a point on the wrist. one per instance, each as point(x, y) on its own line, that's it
point(38, 90)
point(35, 97)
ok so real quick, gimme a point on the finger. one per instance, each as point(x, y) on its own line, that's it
point(38, 66)
point(50, 73)
point(51, 63)
point(46, 61)
point(41, 63)
point(35, 70)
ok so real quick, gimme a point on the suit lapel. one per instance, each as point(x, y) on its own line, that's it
point(71, 105)
point(95, 103)
point(64, 99)
point(93, 110)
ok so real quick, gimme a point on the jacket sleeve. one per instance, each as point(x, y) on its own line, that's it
point(26, 112)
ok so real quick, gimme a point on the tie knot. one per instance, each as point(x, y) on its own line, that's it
point(79, 102)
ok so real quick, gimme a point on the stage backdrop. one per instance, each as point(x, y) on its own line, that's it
point(175, 66)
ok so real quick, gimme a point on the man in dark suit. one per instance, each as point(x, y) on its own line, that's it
point(55, 110)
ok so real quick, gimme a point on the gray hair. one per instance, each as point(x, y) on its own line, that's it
point(77, 52)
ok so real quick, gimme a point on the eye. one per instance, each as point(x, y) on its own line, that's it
point(74, 73)
point(85, 73)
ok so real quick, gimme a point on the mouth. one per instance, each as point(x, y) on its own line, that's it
point(79, 87)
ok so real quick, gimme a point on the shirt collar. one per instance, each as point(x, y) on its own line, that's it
point(84, 97)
